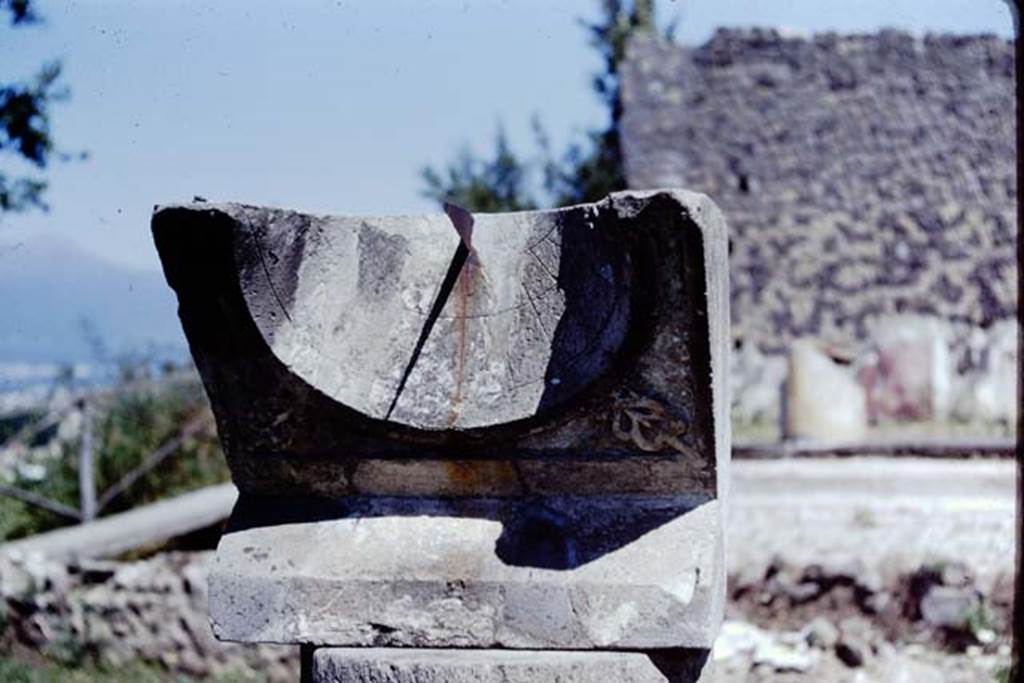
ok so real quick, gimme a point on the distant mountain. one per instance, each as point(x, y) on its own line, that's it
point(61, 304)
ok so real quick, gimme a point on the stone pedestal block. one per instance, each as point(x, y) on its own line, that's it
point(377, 665)
point(571, 573)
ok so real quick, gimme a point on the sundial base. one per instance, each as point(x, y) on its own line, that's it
point(504, 436)
point(615, 573)
point(366, 665)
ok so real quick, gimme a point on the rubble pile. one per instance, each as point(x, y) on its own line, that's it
point(847, 623)
point(153, 610)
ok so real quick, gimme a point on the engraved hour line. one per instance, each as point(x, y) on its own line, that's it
point(462, 221)
point(270, 280)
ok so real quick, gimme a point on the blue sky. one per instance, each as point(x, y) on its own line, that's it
point(333, 106)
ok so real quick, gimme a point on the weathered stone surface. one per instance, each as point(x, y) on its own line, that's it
point(342, 302)
point(536, 461)
point(374, 665)
point(821, 633)
point(863, 175)
point(756, 381)
point(782, 655)
point(950, 606)
point(913, 368)
point(570, 338)
point(989, 389)
point(570, 573)
point(854, 646)
point(823, 401)
point(887, 191)
point(908, 375)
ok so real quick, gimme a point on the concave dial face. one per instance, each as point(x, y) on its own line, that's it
point(403, 320)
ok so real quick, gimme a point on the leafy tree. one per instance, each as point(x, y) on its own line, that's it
point(25, 121)
point(589, 173)
point(498, 184)
point(584, 172)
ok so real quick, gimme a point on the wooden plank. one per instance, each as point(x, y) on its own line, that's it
point(143, 526)
point(87, 466)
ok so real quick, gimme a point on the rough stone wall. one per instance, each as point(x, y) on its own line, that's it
point(861, 176)
point(153, 610)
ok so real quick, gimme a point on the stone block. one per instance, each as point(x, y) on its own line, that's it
point(570, 339)
point(909, 376)
point(822, 401)
point(510, 434)
point(950, 606)
point(989, 391)
point(375, 665)
point(569, 573)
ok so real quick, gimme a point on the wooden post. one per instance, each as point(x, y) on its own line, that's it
point(86, 470)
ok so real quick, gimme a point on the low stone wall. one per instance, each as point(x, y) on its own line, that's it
point(153, 610)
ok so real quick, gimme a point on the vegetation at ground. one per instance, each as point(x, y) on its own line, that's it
point(48, 671)
point(133, 418)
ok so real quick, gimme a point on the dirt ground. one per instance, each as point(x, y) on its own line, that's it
point(869, 569)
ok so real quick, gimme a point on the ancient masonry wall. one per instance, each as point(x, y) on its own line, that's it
point(154, 610)
point(869, 185)
point(862, 176)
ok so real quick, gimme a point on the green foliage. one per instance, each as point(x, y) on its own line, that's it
point(978, 621)
point(21, 11)
point(589, 172)
point(25, 122)
point(19, 672)
point(16, 671)
point(497, 184)
point(138, 422)
point(139, 417)
point(18, 519)
point(620, 20)
point(12, 425)
point(584, 172)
